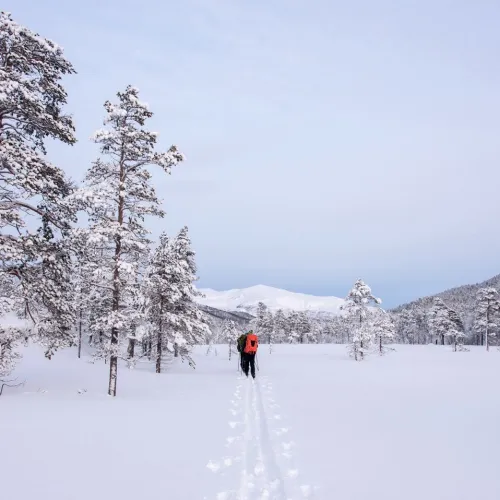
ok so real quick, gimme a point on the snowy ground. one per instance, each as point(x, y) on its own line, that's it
point(419, 424)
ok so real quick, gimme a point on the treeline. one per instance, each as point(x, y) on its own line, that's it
point(366, 327)
point(363, 325)
point(475, 320)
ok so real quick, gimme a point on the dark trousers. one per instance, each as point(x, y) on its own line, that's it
point(248, 361)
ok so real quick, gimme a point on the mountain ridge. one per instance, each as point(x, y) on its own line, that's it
point(244, 301)
point(247, 300)
point(460, 298)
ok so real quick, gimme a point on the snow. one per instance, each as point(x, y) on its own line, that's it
point(247, 299)
point(419, 423)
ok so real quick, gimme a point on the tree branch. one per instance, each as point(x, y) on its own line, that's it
point(7, 384)
point(13, 204)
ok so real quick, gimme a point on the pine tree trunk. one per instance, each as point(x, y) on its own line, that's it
point(442, 339)
point(380, 344)
point(131, 348)
point(158, 351)
point(229, 350)
point(361, 341)
point(113, 360)
point(487, 327)
point(176, 350)
point(80, 335)
point(113, 363)
point(159, 347)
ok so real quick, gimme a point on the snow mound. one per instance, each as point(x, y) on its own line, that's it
point(247, 299)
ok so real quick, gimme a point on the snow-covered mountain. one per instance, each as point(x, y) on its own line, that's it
point(246, 299)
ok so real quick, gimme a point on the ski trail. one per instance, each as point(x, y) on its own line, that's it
point(273, 484)
point(234, 443)
point(281, 448)
point(260, 444)
point(248, 453)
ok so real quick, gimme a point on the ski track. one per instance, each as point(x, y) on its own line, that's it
point(260, 464)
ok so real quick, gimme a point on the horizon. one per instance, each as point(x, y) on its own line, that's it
point(365, 147)
point(383, 304)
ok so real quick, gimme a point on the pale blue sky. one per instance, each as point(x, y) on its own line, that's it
point(325, 140)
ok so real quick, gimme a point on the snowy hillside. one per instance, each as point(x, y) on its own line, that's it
point(246, 299)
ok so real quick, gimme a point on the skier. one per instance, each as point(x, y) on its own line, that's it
point(248, 345)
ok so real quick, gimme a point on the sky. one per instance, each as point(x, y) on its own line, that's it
point(325, 141)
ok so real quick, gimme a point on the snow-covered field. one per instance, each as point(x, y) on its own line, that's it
point(420, 423)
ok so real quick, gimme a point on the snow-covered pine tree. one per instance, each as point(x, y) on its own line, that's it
point(439, 321)
point(337, 329)
point(176, 321)
point(422, 325)
point(356, 306)
point(383, 329)
point(444, 322)
point(458, 334)
point(161, 292)
point(138, 328)
point(10, 335)
point(292, 327)
point(192, 325)
point(264, 324)
point(123, 196)
point(407, 327)
point(325, 332)
point(230, 333)
point(82, 290)
point(96, 274)
point(260, 322)
point(279, 322)
point(486, 315)
point(304, 327)
point(314, 335)
point(35, 264)
point(269, 326)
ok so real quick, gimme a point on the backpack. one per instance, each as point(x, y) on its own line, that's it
point(252, 344)
point(240, 343)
